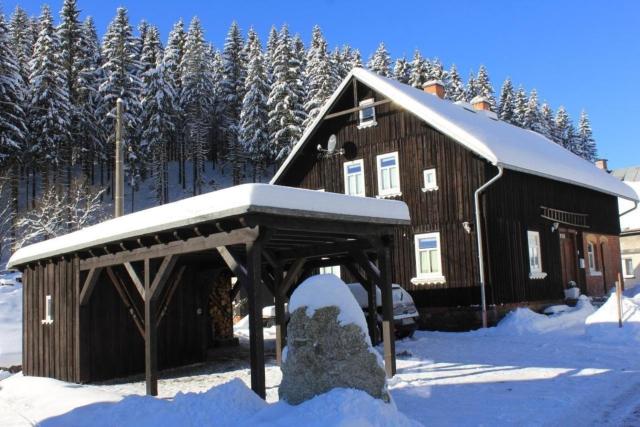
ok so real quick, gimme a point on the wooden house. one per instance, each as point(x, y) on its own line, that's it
point(130, 294)
point(500, 215)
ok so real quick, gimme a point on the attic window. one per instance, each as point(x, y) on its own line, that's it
point(367, 114)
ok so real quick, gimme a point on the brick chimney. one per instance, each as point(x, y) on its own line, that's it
point(481, 103)
point(602, 164)
point(434, 87)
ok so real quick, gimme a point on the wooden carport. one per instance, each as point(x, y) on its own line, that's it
point(269, 240)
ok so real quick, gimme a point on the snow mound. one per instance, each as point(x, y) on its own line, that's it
point(524, 321)
point(603, 324)
point(10, 325)
point(326, 290)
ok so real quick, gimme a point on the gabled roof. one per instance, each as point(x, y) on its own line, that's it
point(238, 200)
point(498, 142)
point(631, 173)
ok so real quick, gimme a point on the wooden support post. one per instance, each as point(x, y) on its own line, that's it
point(150, 335)
point(281, 327)
point(388, 333)
point(256, 338)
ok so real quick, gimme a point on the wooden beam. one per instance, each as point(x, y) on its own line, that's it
point(162, 309)
point(233, 263)
point(292, 274)
point(195, 244)
point(369, 268)
point(161, 277)
point(256, 338)
point(150, 335)
point(134, 278)
point(89, 285)
point(324, 250)
point(388, 333)
point(356, 109)
point(128, 303)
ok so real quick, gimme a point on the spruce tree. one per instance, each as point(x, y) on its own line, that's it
point(547, 122)
point(484, 87)
point(196, 99)
point(532, 119)
point(272, 44)
point(320, 78)
point(284, 103)
point(419, 71)
point(454, 89)
point(506, 103)
point(562, 134)
point(402, 70)
point(22, 39)
point(586, 142)
point(520, 107)
point(471, 89)
point(436, 71)
point(49, 112)
point(231, 94)
point(152, 52)
point(380, 61)
point(121, 68)
point(254, 116)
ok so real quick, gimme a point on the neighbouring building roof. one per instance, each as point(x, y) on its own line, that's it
point(631, 173)
point(500, 143)
point(229, 202)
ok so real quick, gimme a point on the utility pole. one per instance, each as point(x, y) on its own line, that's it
point(119, 184)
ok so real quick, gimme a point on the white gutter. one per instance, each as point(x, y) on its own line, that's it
point(477, 194)
point(635, 205)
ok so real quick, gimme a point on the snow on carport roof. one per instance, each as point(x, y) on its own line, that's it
point(500, 143)
point(238, 200)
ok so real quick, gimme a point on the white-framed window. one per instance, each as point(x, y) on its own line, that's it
point(333, 269)
point(535, 255)
point(48, 310)
point(428, 256)
point(591, 257)
point(388, 174)
point(367, 114)
point(354, 178)
point(430, 181)
point(627, 268)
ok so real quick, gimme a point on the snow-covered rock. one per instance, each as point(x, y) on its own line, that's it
point(328, 344)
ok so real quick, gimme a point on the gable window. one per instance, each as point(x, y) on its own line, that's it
point(535, 258)
point(627, 268)
point(428, 259)
point(354, 178)
point(591, 257)
point(367, 114)
point(388, 174)
point(430, 182)
point(48, 310)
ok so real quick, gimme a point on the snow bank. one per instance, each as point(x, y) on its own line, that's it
point(603, 324)
point(10, 325)
point(523, 321)
point(325, 290)
point(52, 403)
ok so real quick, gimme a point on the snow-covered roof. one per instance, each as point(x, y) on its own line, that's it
point(631, 173)
point(630, 221)
point(500, 143)
point(238, 200)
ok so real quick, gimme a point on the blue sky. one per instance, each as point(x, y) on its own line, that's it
point(580, 54)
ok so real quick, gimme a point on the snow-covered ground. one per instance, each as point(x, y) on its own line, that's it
point(572, 368)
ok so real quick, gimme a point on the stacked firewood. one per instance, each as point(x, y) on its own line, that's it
point(220, 307)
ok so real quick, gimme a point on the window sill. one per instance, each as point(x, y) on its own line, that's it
point(425, 190)
point(367, 124)
point(631, 276)
point(388, 196)
point(595, 273)
point(47, 321)
point(436, 280)
point(538, 276)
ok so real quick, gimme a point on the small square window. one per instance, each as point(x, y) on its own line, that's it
point(430, 181)
point(627, 268)
point(388, 174)
point(354, 178)
point(367, 114)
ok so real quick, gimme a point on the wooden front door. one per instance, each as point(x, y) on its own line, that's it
point(568, 255)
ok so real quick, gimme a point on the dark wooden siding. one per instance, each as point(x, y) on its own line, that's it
point(48, 349)
point(513, 206)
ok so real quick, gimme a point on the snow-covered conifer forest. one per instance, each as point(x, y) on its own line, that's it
point(197, 116)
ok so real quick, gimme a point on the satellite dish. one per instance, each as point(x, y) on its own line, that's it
point(350, 150)
point(331, 144)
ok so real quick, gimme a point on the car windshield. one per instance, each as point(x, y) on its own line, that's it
point(397, 295)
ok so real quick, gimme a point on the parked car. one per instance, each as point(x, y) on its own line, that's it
point(10, 278)
point(405, 314)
